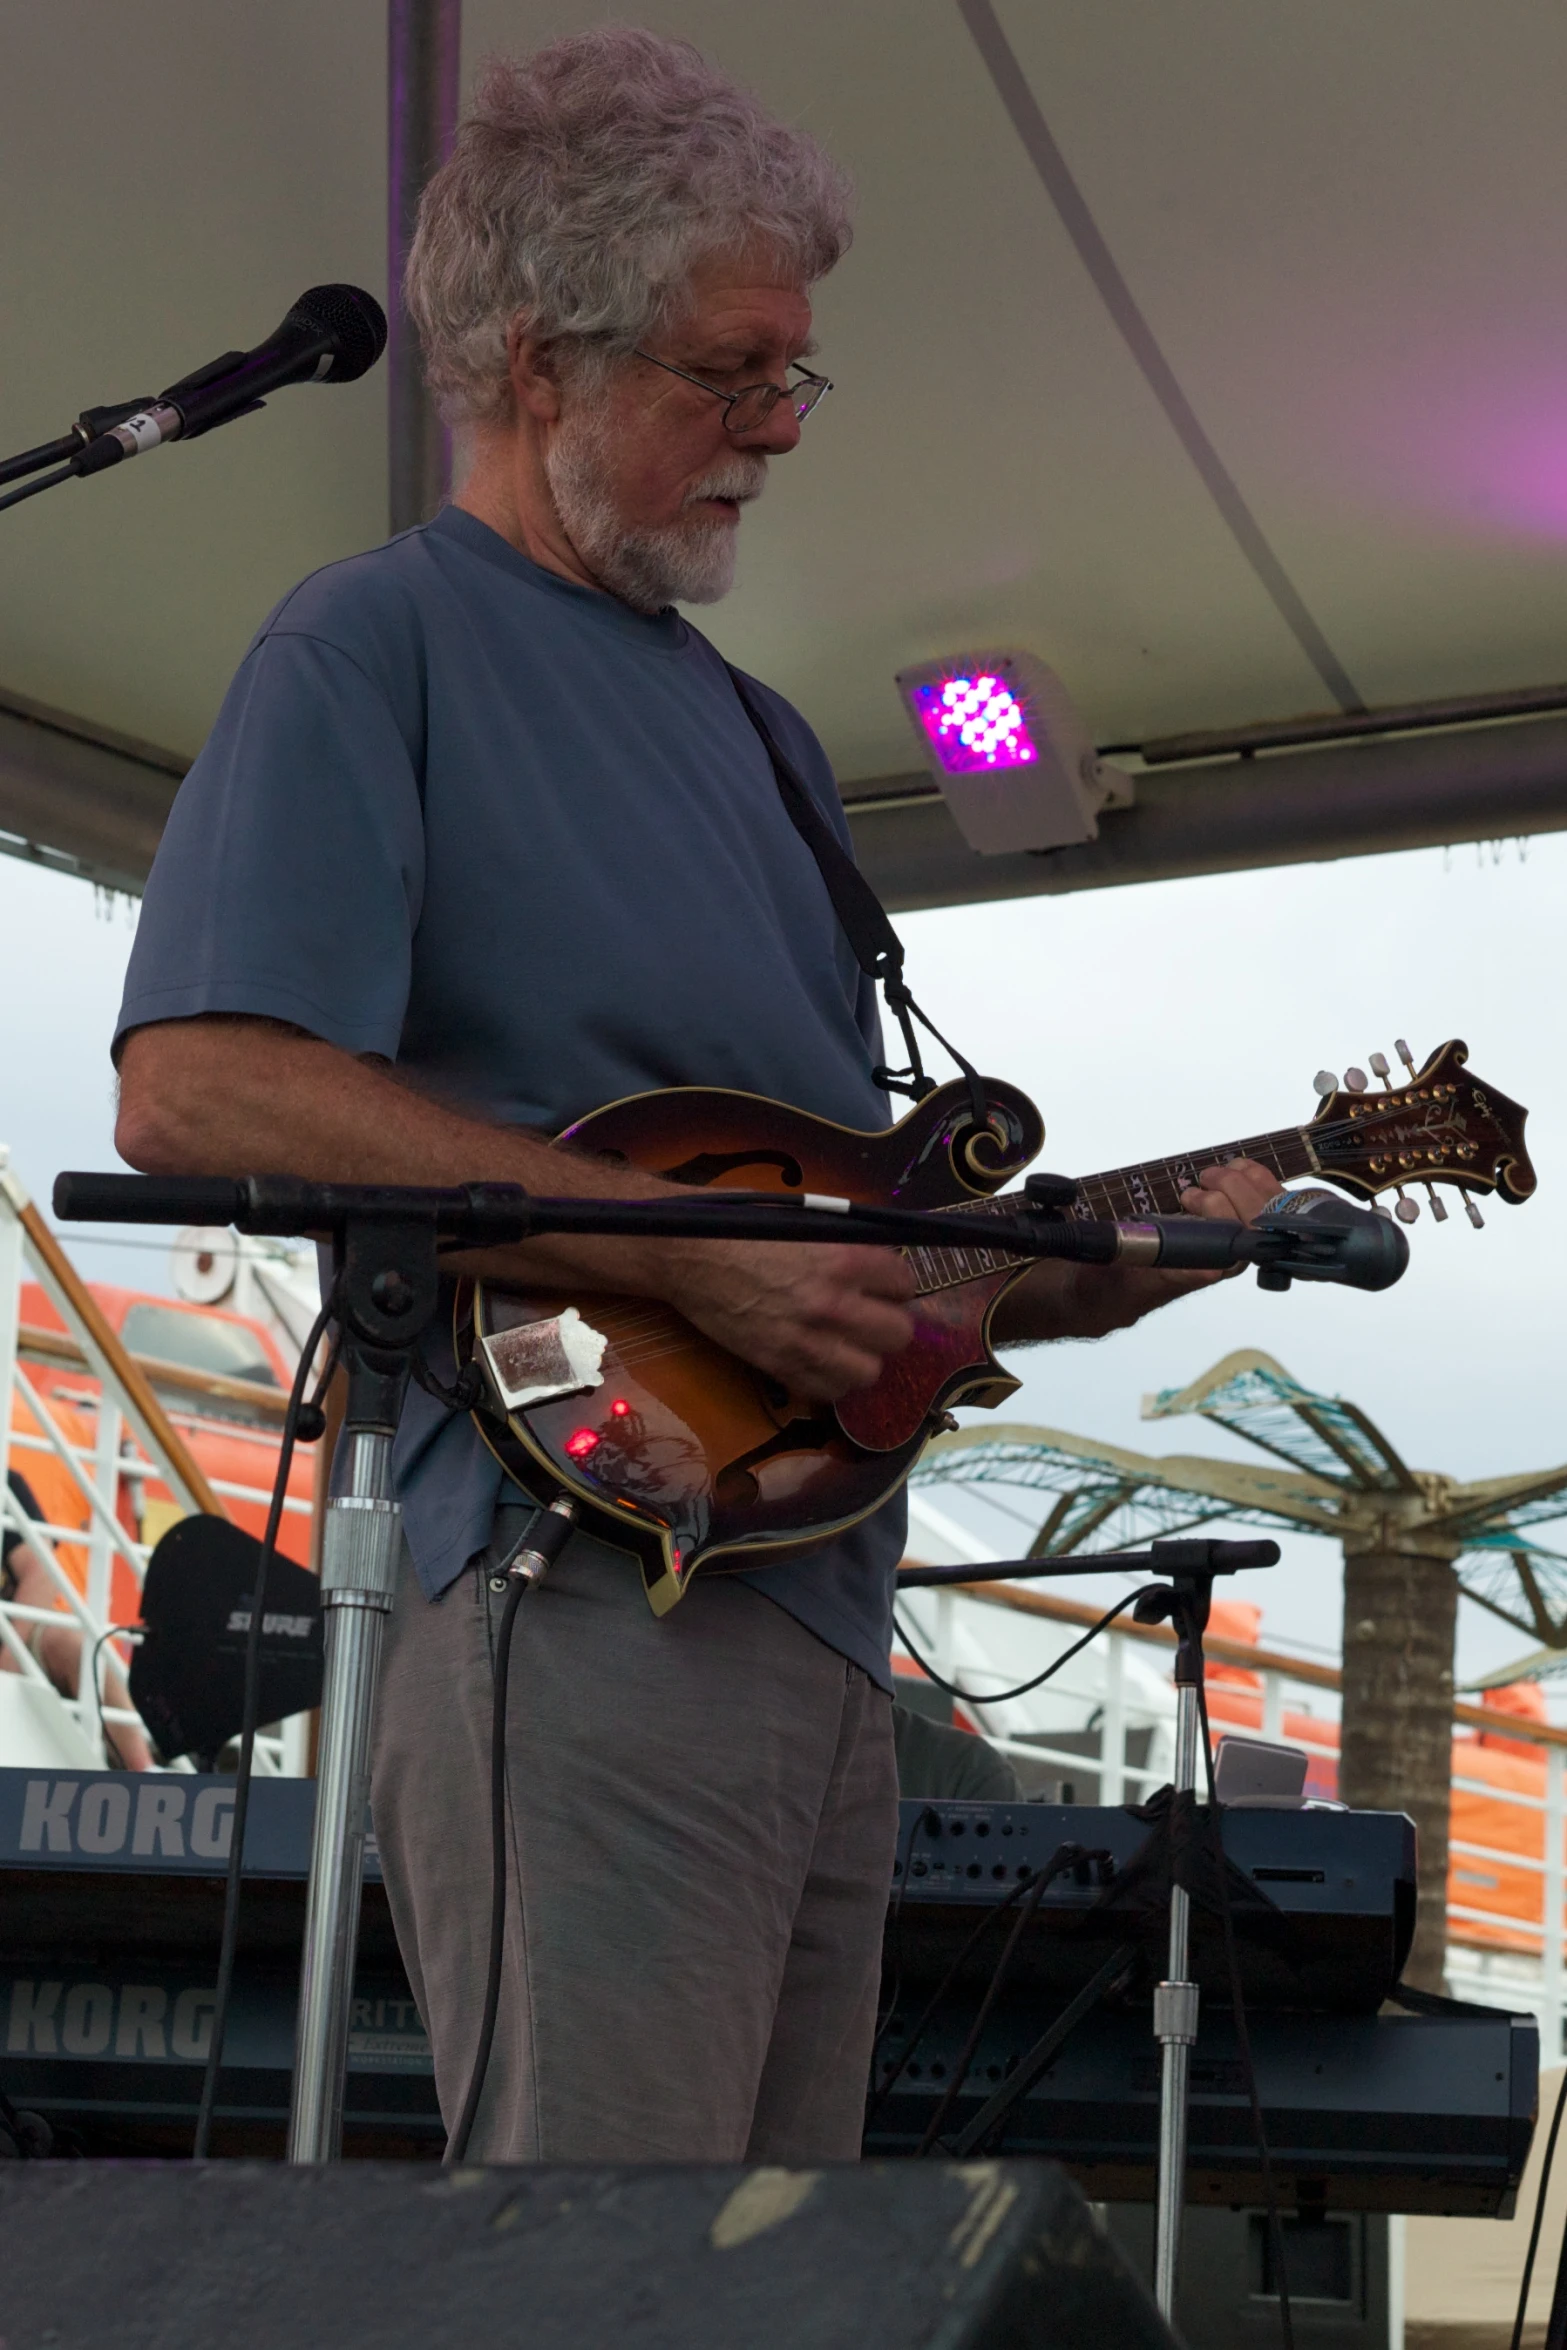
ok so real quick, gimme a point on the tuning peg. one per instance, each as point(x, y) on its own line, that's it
point(1471, 1211)
point(1379, 1207)
point(1379, 1068)
point(1355, 1080)
point(1324, 1083)
point(1404, 1055)
point(1438, 1204)
point(1407, 1210)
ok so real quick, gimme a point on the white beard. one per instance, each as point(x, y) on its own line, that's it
point(683, 563)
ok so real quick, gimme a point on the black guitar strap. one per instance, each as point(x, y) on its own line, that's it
point(862, 918)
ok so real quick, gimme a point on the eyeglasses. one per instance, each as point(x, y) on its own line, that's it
point(750, 407)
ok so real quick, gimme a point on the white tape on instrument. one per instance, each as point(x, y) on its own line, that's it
point(534, 1362)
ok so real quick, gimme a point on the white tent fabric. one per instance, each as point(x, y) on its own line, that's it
point(1339, 225)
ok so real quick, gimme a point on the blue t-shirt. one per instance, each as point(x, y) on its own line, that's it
point(525, 843)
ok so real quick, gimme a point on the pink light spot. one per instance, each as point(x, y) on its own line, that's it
point(975, 724)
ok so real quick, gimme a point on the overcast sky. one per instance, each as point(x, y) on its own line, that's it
point(1142, 1021)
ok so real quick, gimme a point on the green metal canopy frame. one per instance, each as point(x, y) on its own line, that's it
point(1344, 1479)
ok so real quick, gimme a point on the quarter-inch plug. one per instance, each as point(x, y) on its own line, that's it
point(544, 1541)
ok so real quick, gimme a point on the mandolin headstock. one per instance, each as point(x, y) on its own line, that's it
point(1439, 1125)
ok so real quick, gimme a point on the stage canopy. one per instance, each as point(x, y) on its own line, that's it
point(1215, 353)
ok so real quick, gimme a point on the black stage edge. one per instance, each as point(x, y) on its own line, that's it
point(879, 2256)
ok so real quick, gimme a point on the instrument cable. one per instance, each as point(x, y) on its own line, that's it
point(1516, 2340)
point(976, 1936)
point(305, 1421)
point(537, 1547)
point(1064, 1857)
point(1003, 1696)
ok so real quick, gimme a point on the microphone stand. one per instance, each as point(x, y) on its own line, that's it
point(1185, 1601)
point(387, 1244)
point(387, 1274)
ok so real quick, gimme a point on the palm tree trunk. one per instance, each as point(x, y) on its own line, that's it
point(1396, 1742)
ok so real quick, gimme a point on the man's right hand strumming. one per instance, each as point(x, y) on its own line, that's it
point(822, 1320)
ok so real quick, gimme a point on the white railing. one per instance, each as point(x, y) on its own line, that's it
point(1508, 1951)
point(134, 1441)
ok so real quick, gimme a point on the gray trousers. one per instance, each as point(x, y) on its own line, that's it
point(703, 1811)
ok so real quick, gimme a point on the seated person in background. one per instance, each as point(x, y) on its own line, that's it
point(939, 1760)
point(57, 1649)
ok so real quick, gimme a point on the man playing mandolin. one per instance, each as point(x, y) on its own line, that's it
point(484, 838)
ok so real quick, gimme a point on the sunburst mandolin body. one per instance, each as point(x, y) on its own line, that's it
point(684, 1453)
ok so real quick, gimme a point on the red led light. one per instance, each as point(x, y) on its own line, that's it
point(620, 1409)
point(580, 1444)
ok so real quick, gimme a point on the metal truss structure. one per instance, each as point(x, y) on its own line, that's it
point(1331, 1471)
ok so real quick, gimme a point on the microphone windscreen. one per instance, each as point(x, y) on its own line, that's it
point(1324, 1207)
point(1372, 1251)
point(353, 319)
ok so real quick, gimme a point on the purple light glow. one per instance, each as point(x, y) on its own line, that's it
point(975, 724)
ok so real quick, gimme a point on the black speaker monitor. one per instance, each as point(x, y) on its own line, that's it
point(386, 2256)
point(187, 1678)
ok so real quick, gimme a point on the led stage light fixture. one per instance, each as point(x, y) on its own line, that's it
point(1014, 761)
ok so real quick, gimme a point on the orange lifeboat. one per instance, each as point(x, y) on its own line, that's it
point(223, 1381)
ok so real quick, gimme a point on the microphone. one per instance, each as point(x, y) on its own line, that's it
point(1308, 1235)
point(1325, 1239)
point(333, 334)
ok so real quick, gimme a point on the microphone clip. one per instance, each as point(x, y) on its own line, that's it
point(1050, 1195)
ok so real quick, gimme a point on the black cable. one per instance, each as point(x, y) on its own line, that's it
point(1063, 1858)
point(541, 1542)
point(1242, 2032)
point(895, 1933)
point(976, 1936)
point(465, 1393)
point(1539, 2216)
point(69, 444)
point(30, 489)
point(457, 2143)
point(252, 1706)
point(989, 2126)
point(1003, 1696)
point(115, 1632)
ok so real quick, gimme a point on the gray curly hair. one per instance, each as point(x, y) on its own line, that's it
point(585, 186)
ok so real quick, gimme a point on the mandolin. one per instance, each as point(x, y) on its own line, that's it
point(688, 1457)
